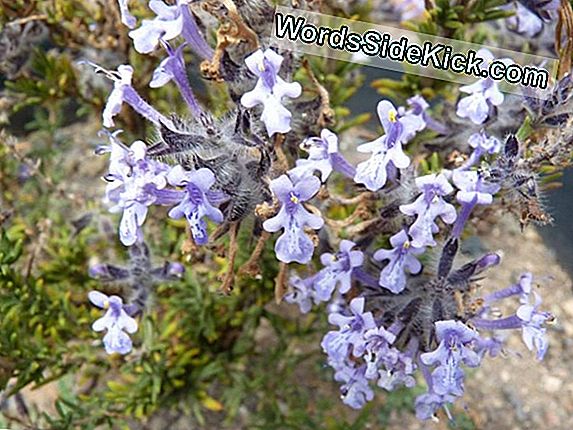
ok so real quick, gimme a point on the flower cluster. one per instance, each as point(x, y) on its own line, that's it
point(136, 182)
point(399, 308)
point(429, 206)
point(371, 347)
point(137, 179)
point(337, 270)
point(414, 322)
point(138, 278)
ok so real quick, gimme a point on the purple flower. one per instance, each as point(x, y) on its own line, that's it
point(120, 156)
point(115, 100)
point(116, 321)
point(387, 149)
point(173, 68)
point(525, 22)
point(323, 156)
point(170, 66)
point(138, 277)
point(294, 244)
point(126, 17)
point(521, 289)
point(532, 320)
point(527, 318)
point(301, 293)
point(454, 349)
point(195, 204)
point(524, 287)
point(400, 258)
point(533, 332)
point(350, 336)
point(489, 345)
point(378, 349)
point(270, 90)
point(318, 288)
point(391, 366)
point(419, 106)
point(166, 25)
point(134, 183)
point(484, 94)
point(399, 372)
point(124, 92)
point(486, 261)
point(170, 271)
point(356, 390)
point(484, 144)
point(427, 207)
point(473, 189)
point(337, 270)
point(170, 22)
point(428, 403)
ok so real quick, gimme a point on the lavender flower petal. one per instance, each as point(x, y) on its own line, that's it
point(400, 259)
point(269, 90)
point(294, 244)
point(116, 321)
